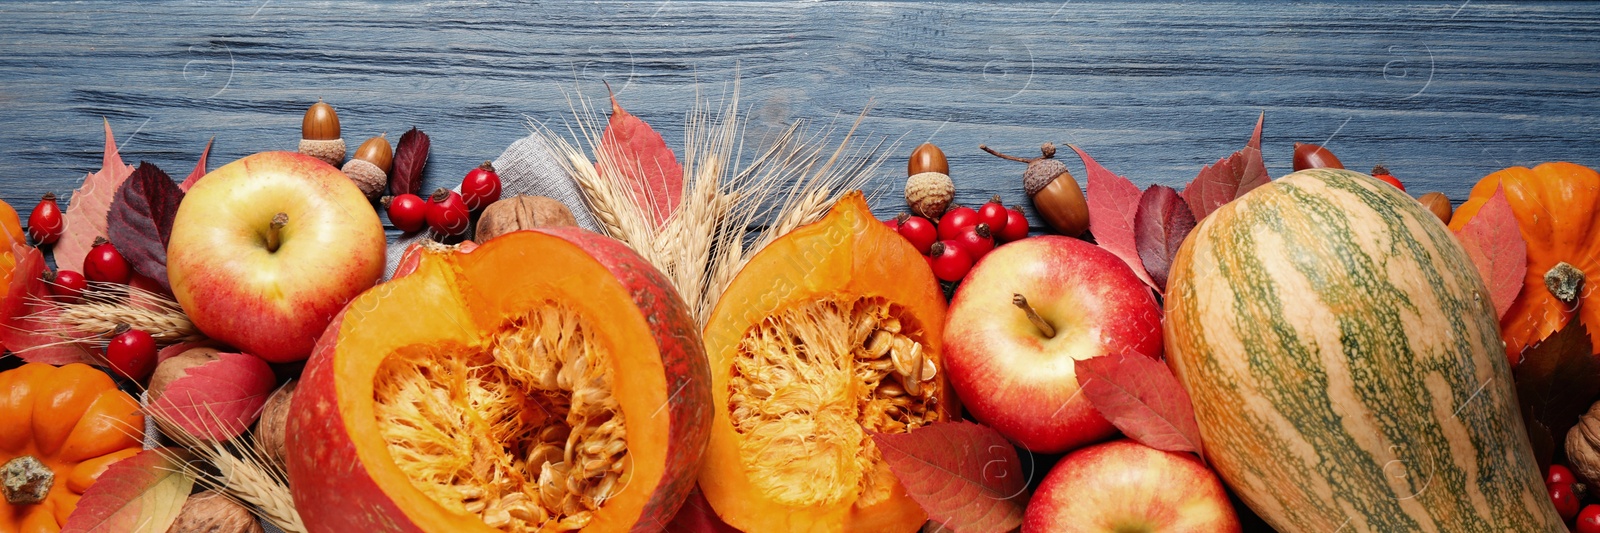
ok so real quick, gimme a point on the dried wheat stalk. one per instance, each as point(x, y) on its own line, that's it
point(792, 181)
point(107, 306)
point(248, 478)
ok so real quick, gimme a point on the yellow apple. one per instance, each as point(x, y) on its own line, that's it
point(267, 249)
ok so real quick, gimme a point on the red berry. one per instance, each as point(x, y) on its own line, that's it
point(977, 241)
point(894, 223)
point(994, 214)
point(44, 224)
point(448, 213)
point(68, 286)
point(950, 262)
point(481, 187)
point(1589, 519)
point(1559, 474)
point(132, 353)
point(104, 263)
point(955, 221)
point(1565, 500)
point(408, 212)
point(920, 232)
point(1016, 226)
point(1383, 174)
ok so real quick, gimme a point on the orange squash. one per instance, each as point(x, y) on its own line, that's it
point(827, 334)
point(548, 378)
point(10, 234)
point(62, 427)
point(1557, 206)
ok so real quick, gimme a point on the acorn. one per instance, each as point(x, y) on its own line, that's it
point(1439, 204)
point(319, 134)
point(370, 167)
point(1056, 196)
point(929, 189)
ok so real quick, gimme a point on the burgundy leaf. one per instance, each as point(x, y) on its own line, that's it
point(1141, 397)
point(966, 476)
point(1159, 228)
point(217, 400)
point(1557, 381)
point(199, 168)
point(410, 155)
point(697, 516)
point(1231, 177)
point(1496, 247)
point(1113, 205)
point(140, 221)
point(28, 323)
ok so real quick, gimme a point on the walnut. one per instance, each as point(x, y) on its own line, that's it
point(211, 512)
point(522, 212)
point(273, 426)
point(1583, 446)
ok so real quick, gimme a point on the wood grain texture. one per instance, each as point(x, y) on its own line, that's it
point(1441, 93)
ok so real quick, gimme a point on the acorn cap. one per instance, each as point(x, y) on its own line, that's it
point(329, 151)
point(367, 177)
point(1040, 173)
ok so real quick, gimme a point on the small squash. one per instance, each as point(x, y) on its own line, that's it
point(829, 333)
point(60, 428)
point(1557, 206)
point(1345, 367)
point(10, 234)
point(548, 380)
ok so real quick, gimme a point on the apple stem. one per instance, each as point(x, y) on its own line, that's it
point(1033, 316)
point(278, 222)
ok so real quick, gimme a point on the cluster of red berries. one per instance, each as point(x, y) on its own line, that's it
point(446, 212)
point(962, 236)
point(131, 352)
point(1564, 493)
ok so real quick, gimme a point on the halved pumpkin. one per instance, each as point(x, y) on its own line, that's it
point(828, 334)
point(550, 380)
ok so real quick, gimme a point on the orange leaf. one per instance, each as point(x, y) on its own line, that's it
point(1496, 247)
point(141, 493)
point(217, 400)
point(1142, 398)
point(25, 318)
point(638, 154)
point(1113, 207)
point(85, 217)
point(966, 476)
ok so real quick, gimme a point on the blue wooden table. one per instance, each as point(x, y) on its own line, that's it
point(1442, 93)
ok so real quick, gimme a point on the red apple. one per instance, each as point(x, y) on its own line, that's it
point(265, 250)
point(1126, 486)
point(1017, 378)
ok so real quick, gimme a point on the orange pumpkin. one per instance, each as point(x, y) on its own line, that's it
point(829, 333)
point(62, 428)
point(1557, 206)
point(547, 379)
point(10, 234)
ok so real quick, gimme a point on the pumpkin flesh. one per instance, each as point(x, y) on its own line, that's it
point(76, 423)
point(1557, 206)
point(1345, 366)
point(828, 334)
point(481, 392)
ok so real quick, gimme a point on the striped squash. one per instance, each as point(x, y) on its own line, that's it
point(1346, 367)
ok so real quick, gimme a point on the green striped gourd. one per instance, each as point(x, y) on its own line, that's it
point(1346, 365)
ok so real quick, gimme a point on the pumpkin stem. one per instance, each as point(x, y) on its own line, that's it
point(274, 229)
point(1033, 316)
point(1565, 282)
point(26, 480)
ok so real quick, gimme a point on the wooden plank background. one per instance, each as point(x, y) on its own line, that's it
point(1442, 93)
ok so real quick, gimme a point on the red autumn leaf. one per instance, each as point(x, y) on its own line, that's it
point(1159, 228)
point(1229, 178)
point(1113, 205)
point(85, 217)
point(1142, 398)
point(217, 400)
point(966, 476)
point(140, 221)
point(410, 155)
point(199, 168)
point(1557, 380)
point(27, 323)
point(141, 493)
point(637, 154)
point(696, 516)
point(1496, 247)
